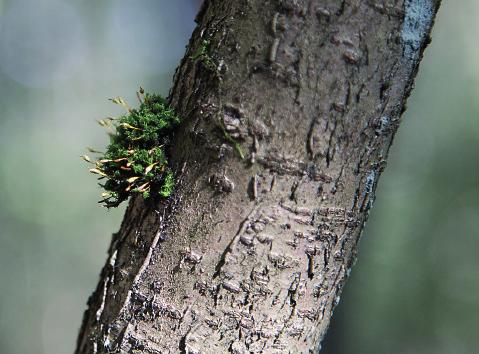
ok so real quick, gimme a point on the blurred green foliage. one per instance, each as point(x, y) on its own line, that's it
point(414, 289)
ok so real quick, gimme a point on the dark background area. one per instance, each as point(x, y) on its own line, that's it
point(415, 286)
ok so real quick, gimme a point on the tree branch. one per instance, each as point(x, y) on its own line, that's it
point(250, 255)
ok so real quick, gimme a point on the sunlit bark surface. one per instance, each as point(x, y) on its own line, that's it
point(250, 254)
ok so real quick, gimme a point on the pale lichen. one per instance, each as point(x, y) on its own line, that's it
point(418, 16)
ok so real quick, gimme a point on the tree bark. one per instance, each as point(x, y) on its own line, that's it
point(250, 255)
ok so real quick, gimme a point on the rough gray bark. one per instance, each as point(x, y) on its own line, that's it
point(251, 255)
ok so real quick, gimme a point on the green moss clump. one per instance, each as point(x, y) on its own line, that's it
point(135, 161)
point(202, 54)
point(232, 141)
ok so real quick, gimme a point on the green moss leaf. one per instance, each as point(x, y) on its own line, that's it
point(136, 161)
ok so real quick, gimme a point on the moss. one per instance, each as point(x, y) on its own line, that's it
point(233, 142)
point(202, 54)
point(168, 185)
point(135, 161)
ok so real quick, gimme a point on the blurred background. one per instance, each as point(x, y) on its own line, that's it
point(415, 288)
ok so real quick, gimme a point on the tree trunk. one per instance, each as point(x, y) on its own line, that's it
point(251, 255)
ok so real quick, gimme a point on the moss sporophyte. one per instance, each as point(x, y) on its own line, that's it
point(135, 161)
